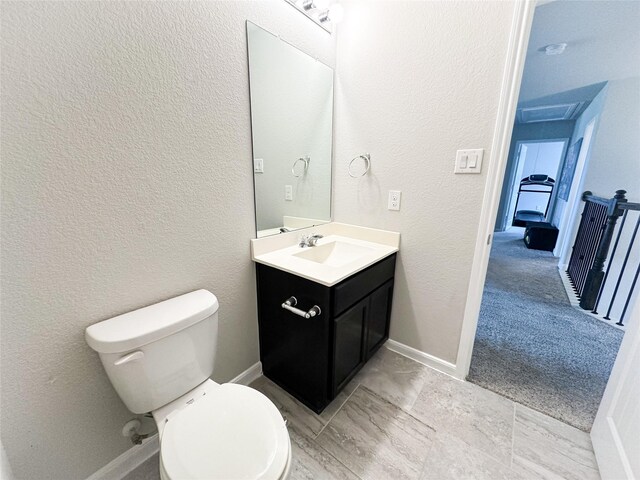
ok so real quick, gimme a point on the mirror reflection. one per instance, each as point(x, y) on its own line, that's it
point(291, 122)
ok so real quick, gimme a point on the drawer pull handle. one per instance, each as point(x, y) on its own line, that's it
point(291, 302)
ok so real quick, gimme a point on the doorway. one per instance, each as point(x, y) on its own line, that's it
point(539, 334)
point(534, 157)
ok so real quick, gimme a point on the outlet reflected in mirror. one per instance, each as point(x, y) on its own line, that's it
point(291, 124)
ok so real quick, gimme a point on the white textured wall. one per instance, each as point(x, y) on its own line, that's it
point(615, 155)
point(5, 468)
point(126, 179)
point(415, 82)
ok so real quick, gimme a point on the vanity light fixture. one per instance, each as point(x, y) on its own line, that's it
point(317, 4)
point(323, 16)
point(321, 12)
point(333, 14)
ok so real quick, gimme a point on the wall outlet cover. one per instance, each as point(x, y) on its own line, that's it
point(394, 200)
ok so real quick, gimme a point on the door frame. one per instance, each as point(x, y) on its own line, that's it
point(608, 445)
point(603, 433)
point(517, 173)
point(511, 80)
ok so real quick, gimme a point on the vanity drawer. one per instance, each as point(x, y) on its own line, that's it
point(361, 284)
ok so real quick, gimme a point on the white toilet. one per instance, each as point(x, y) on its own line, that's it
point(159, 359)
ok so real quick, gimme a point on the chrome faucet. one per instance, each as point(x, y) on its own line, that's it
point(309, 240)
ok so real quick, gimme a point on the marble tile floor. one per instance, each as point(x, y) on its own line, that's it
point(398, 419)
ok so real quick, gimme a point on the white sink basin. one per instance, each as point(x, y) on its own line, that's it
point(334, 254)
point(343, 251)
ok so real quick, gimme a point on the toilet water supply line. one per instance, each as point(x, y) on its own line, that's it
point(131, 430)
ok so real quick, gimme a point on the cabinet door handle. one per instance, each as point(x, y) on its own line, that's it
point(291, 302)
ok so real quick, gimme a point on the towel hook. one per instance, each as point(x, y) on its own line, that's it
point(367, 158)
point(304, 160)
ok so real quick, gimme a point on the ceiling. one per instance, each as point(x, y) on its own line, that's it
point(603, 44)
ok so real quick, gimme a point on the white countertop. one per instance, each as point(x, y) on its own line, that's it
point(280, 251)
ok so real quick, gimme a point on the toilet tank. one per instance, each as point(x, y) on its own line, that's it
point(155, 354)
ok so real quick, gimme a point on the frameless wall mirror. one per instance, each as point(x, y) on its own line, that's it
point(291, 124)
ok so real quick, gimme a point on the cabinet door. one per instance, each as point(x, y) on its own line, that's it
point(294, 350)
point(378, 318)
point(348, 343)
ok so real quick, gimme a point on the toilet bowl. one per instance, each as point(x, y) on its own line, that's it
point(225, 432)
point(159, 359)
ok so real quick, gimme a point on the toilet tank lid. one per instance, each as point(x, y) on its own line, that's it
point(145, 325)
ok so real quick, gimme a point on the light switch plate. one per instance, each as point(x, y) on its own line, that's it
point(394, 200)
point(258, 165)
point(469, 161)
point(288, 193)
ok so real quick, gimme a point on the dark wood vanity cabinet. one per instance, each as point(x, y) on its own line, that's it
point(314, 358)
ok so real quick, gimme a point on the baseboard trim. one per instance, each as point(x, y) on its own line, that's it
point(575, 302)
point(127, 462)
point(436, 363)
point(249, 375)
point(572, 296)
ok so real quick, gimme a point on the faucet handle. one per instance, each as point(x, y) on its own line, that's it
point(309, 240)
point(313, 239)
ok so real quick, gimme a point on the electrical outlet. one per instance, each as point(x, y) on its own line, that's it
point(288, 193)
point(394, 200)
point(258, 165)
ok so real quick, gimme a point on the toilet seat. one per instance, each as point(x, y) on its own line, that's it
point(232, 432)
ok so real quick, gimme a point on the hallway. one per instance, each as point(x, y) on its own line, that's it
point(531, 345)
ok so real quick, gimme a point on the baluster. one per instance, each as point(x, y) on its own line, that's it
point(574, 262)
point(582, 245)
point(609, 262)
point(624, 265)
point(626, 304)
point(591, 243)
point(594, 278)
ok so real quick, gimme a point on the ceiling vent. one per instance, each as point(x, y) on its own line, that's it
point(549, 113)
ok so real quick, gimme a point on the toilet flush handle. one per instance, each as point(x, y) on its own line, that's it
point(129, 357)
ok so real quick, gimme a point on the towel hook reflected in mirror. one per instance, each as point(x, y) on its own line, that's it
point(367, 158)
